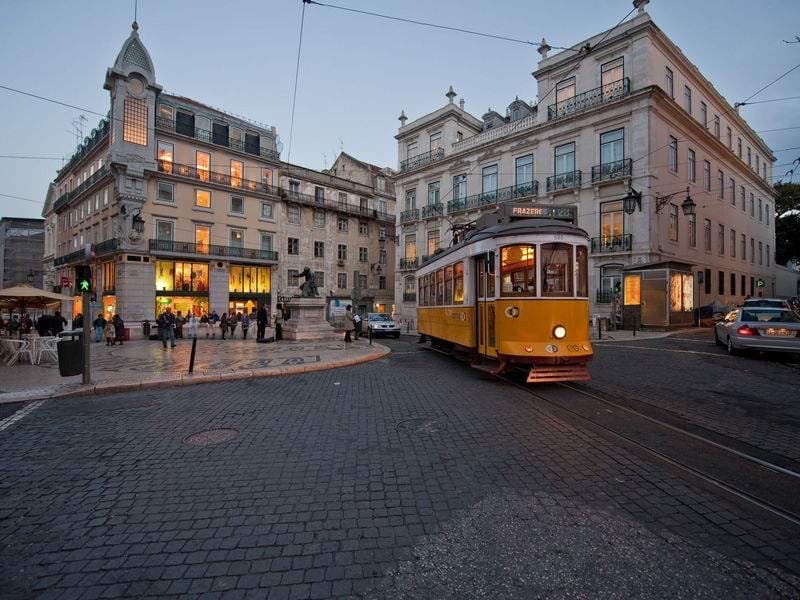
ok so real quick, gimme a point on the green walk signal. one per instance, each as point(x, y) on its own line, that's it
point(84, 285)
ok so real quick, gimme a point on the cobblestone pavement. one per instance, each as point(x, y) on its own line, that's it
point(752, 398)
point(412, 476)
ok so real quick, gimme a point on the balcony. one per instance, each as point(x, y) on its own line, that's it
point(412, 214)
point(605, 296)
point(612, 171)
point(432, 210)
point(586, 100)
point(490, 135)
point(211, 138)
point(564, 181)
point(79, 256)
point(106, 247)
point(409, 296)
point(409, 264)
point(66, 197)
point(98, 134)
point(223, 179)
point(420, 160)
point(173, 248)
point(612, 243)
point(342, 207)
point(506, 194)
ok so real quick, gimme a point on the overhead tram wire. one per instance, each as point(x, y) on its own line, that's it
point(774, 81)
point(296, 76)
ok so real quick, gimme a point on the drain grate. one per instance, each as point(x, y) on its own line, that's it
point(422, 425)
point(210, 437)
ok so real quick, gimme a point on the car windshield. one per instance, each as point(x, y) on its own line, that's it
point(379, 317)
point(765, 303)
point(769, 316)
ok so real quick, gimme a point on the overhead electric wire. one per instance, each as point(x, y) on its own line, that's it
point(774, 81)
point(770, 100)
point(296, 76)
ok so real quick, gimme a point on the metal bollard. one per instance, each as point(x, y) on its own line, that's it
point(369, 331)
point(634, 326)
point(191, 356)
point(599, 329)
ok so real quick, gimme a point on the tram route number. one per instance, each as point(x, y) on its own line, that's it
point(573, 347)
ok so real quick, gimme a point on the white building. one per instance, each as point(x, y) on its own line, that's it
point(630, 113)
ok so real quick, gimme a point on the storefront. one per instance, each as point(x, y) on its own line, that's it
point(182, 286)
point(249, 288)
point(658, 295)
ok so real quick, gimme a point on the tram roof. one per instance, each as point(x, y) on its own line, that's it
point(516, 227)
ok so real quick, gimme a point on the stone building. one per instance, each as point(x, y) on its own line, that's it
point(21, 246)
point(177, 203)
point(630, 116)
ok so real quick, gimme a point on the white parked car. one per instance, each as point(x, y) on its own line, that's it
point(382, 324)
point(759, 328)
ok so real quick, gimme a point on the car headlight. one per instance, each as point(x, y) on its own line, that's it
point(559, 332)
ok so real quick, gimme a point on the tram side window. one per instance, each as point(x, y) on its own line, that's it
point(490, 279)
point(518, 270)
point(424, 281)
point(439, 287)
point(583, 271)
point(556, 270)
point(458, 283)
point(429, 299)
point(448, 285)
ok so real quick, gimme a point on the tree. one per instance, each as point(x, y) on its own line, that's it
point(787, 222)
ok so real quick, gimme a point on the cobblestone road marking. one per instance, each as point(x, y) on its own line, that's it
point(20, 414)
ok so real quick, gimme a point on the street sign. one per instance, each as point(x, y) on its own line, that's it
point(567, 213)
point(760, 283)
point(66, 282)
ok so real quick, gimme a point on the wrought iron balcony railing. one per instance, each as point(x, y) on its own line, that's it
point(175, 247)
point(409, 296)
point(412, 214)
point(612, 171)
point(420, 160)
point(407, 264)
point(605, 296)
point(612, 243)
point(79, 256)
point(65, 198)
point(432, 210)
point(564, 181)
point(605, 93)
point(98, 134)
point(214, 138)
point(506, 194)
point(106, 247)
point(342, 207)
point(206, 176)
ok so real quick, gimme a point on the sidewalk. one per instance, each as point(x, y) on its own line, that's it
point(628, 335)
point(144, 364)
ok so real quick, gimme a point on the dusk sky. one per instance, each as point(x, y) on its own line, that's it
point(357, 72)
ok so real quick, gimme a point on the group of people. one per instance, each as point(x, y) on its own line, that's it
point(171, 326)
point(45, 325)
point(352, 324)
point(113, 329)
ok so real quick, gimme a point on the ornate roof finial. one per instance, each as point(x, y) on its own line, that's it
point(543, 48)
point(402, 118)
point(450, 94)
point(640, 4)
point(135, 26)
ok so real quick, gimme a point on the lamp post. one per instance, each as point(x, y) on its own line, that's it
point(634, 200)
point(31, 277)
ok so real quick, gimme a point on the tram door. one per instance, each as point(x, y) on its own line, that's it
point(484, 293)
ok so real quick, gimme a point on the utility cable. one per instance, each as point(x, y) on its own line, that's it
point(776, 80)
point(296, 76)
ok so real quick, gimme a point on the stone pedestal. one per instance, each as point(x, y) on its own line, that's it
point(307, 320)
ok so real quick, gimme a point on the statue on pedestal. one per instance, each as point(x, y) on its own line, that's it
point(309, 287)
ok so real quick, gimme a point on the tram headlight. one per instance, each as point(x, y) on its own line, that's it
point(559, 332)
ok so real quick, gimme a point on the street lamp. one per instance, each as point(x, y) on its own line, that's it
point(138, 223)
point(31, 277)
point(634, 200)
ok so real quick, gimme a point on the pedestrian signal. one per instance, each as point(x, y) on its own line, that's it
point(83, 278)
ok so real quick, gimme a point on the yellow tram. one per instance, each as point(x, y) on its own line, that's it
point(515, 291)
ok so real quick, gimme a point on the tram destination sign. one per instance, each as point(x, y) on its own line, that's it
point(566, 213)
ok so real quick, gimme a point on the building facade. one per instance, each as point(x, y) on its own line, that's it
point(21, 245)
point(629, 116)
point(176, 203)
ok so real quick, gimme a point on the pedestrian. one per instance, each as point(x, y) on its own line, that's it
point(245, 325)
point(223, 324)
point(179, 321)
point(119, 329)
point(26, 324)
point(191, 325)
point(261, 323)
point(166, 325)
point(213, 320)
point(279, 322)
point(77, 322)
point(356, 326)
point(348, 323)
point(58, 323)
point(99, 326)
point(233, 321)
point(109, 332)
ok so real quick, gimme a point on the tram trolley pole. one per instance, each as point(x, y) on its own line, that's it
point(191, 356)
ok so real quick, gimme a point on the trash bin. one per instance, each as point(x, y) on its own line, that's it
point(146, 329)
point(70, 354)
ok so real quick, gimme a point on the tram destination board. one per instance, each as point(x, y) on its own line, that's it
point(565, 213)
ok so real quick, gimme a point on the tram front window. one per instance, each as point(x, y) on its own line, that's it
point(518, 270)
point(556, 270)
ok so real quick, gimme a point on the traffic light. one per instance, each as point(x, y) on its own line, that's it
point(83, 279)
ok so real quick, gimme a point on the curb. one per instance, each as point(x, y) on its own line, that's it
point(193, 379)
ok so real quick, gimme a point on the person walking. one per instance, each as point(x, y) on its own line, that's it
point(279, 322)
point(204, 323)
point(179, 322)
point(191, 326)
point(166, 325)
point(223, 324)
point(77, 322)
point(261, 323)
point(245, 325)
point(58, 323)
point(348, 323)
point(119, 329)
point(109, 330)
point(99, 326)
point(356, 326)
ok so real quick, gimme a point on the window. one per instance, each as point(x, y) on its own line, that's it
point(752, 286)
point(733, 284)
point(732, 186)
point(165, 112)
point(436, 140)
point(319, 218)
point(236, 238)
point(703, 114)
point(292, 277)
point(612, 147)
point(518, 270)
point(319, 195)
point(411, 246)
point(343, 223)
point(721, 239)
point(166, 192)
point(741, 195)
point(692, 230)
point(565, 90)
point(433, 193)
point(760, 253)
point(752, 205)
point(293, 246)
point(363, 228)
point(610, 73)
point(673, 223)
point(610, 280)
point(202, 237)
point(721, 185)
point(319, 249)
point(670, 81)
point(739, 146)
point(362, 255)
point(203, 164)
point(766, 214)
point(758, 163)
point(749, 157)
point(109, 277)
point(733, 243)
point(105, 197)
point(721, 282)
point(382, 256)
point(752, 250)
point(165, 153)
point(707, 283)
point(687, 99)
point(381, 184)
point(556, 269)
point(459, 187)
point(760, 211)
point(266, 210)
point(341, 281)
point(706, 176)
point(342, 197)
point(202, 198)
point(433, 241)
point(729, 134)
point(411, 199)
point(707, 235)
point(523, 174)
point(237, 205)
point(564, 158)
point(673, 154)
point(743, 248)
point(237, 172)
point(165, 231)
point(341, 252)
point(319, 278)
point(489, 179)
point(293, 214)
point(716, 126)
point(691, 167)
point(742, 283)
point(768, 255)
point(134, 124)
point(294, 188)
point(265, 241)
